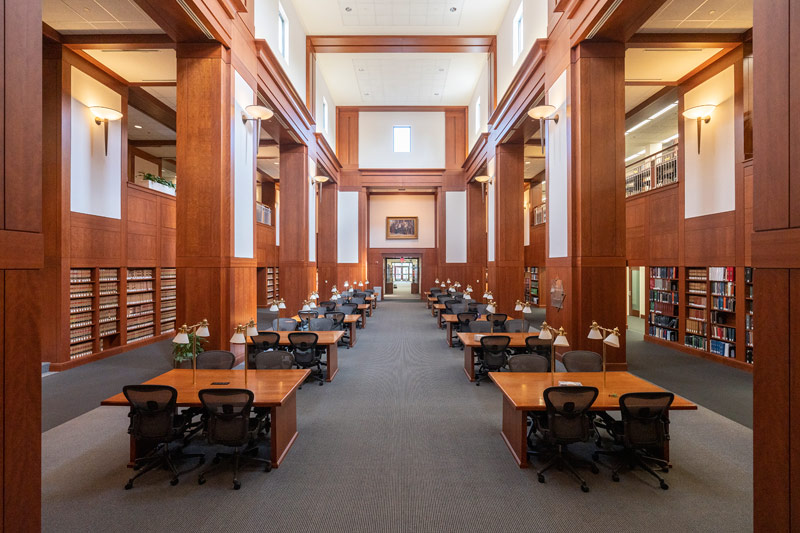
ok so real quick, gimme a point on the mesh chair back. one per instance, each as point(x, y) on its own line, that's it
point(338, 320)
point(529, 363)
point(358, 301)
point(435, 291)
point(480, 326)
point(644, 417)
point(459, 308)
point(305, 316)
point(348, 309)
point(284, 324)
point(448, 305)
point(304, 348)
point(538, 346)
point(472, 307)
point(494, 348)
point(515, 326)
point(360, 294)
point(273, 360)
point(497, 320)
point(320, 324)
point(328, 306)
point(465, 319)
point(481, 308)
point(152, 410)
point(567, 413)
point(228, 412)
point(582, 361)
point(216, 360)
point(266, 341)
point(440, 298)
point(458, 295)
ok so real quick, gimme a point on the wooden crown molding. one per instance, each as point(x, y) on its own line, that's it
point(152, 107)
point(520, 93)
point(120, 41)
point(326, 158)
point(477, 157)
point(400, 108)
point(400, 44)
point(686, 40)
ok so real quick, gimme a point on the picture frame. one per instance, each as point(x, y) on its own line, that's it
point(402, 228)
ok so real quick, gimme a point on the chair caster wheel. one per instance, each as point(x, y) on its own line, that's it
point(664, 486)
point(585, 488)
point(236, 485)
point(129, 485)
point(201, 480)
point(540, 477)
point(615, 477)
point(268, 468)
point(478, 384)
point(321, 383)
point(595, 470)
point(595, 456)
point(173, 481)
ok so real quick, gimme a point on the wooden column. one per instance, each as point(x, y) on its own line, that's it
point(327, 248)
point(476, 239)
point(506, 271)
point(776, 258)
point(212, 283)
point(297, 273)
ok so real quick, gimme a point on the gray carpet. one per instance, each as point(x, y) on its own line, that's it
point(399, 441)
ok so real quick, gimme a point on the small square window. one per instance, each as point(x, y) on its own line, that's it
point(518, 35)
point(478, 115)
point(324, 115)
point(402, 138)
point(283, 33)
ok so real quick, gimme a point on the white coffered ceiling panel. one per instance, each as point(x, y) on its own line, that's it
point(139, 66)
point(664, 64)
point(706, 16)
point(97, 16)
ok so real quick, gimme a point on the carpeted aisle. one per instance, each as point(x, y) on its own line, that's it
point(399, 441)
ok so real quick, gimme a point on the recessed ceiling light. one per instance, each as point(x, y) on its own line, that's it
point(712, 11)
point(435, 94)
point(639, 125)
point(366, 94)
point(348, 9)
point(441, 70)
point(527, 162)
point(453, 9)
point(138, 127)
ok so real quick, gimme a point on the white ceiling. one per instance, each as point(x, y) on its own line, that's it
point(401, 17)
point(168, 152)
point(139, 66)
point(656, 129)
point(663, 64)
point(150, 129)
point(707, 16)
point(401, 79)
point(636, 94)
point(97, 16)
point(168, 95)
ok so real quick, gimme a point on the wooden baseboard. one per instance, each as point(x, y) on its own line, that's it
point(735, 363)
point(72, 363)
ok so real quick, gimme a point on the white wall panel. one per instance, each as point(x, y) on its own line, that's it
point(347, 230)
point(312, 211)
point(422, 206)
point(376, 140)
point(456, 226)
point(557, 154)
point(243, 172)
point(490, 226)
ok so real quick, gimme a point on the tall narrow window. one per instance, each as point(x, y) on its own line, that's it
point(402, 138)
point(324, 115)
point(283, 33)
point(478, 116)
point(518, 33)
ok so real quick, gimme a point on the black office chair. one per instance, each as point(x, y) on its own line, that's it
point(267, 340)
point(304, 349)
point(273, 360)
point(535, 345)
point(305, 317)
point(435, 291)
point(321, 324)
point(440, 298)
point(458, 307)
point(348, 308)
point(327, 306)
point(515, 326)
point(284, 324)
point(497, 320)
point(582, 361)
point(528, 362)
point(338, 325)
point(480, 308)
point(480, 326)
point(228, 423)
point(644, 426)
point(357, 300)
point(153, 421)
point(464, 321)
point(215, 360)
point(492, 357)
point(568, 422)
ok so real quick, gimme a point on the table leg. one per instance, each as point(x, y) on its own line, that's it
point(439, 319)
point(363, 318)
point(515, 432)
point(332, 360)
point(469, 363)
point(450, 334)
point(352, 334)
point(283, 431)
point(429, 304)
point(433, 311)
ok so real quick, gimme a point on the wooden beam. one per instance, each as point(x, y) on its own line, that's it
point(118, 41)
point(50, 33)
point(152, 143)
point(685, 40)
point(176, 22)
point(400, 44)
point(152, 107)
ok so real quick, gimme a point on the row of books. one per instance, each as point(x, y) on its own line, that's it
point(697, 314)
point(723, 333)
point(722, 317)
point(695, 327)
point(108, 315)
point(664, 333)
point(80, 350)
point(133, 322)
point(666, 297)
point(140, 298)
point(663, 284)
point(78, 275)
point(748, 322)
point(107, 302)
point(140, 334)
point(169, 294)
point(748, 338)
point(696, 287)
point(664, 321)
point(139, 286)
point(169, 273)
point(108, 288)
point(168, 284)
point(697, 301)
point(140, 273)
point(80, 334)
point(723, 303)
point(664, 272)
point(79, 305)
point(78, 291)
point(108, 329)
point(139, 310)
point(80, 319)
point(724, 288)
point(695, 341)
point(722, 273)
point(696, 274)
point(723, 348)
point(108, 274)
point(167, 315)
point(663, 308)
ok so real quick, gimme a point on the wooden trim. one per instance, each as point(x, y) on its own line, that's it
point(710, 68)
point(400, 108)
point(400, 44)
point(151, 143)
point(87, 64)
point(477, 157)
point(327, 158)
point(72, 363)
point(152, 107)
point(117, 41)
point(22, 250)
point(685, 40)
point(520, 93)
point(735, 363)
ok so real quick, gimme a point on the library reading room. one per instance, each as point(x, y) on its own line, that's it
point(399, 265)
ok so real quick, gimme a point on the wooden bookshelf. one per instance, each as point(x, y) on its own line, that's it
point(141, 301)
point(82, 312)
point(168, 299)
point(532, 288)
point(748, 314)
point(664, 303)
point(273, 283)
point(722, 311)
point(696, 324)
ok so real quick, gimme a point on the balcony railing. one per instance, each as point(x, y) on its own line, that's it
point(652, 172)
point(263, 214)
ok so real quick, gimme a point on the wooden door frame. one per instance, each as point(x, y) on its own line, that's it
point(396, 255)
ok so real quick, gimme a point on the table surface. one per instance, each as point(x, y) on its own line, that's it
point(454, 318)
point(439, 306)
point(363, 306)
point(525, 390)
point(270, 387)
point(473, 340)
point(347, 319)
point(323, 337)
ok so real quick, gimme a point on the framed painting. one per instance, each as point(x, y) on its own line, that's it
point(402, 228)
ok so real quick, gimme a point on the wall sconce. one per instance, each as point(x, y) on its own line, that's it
point(257, 113)
point(104, 115)
point(702, 113)
point(484, 179)
point(542, 113)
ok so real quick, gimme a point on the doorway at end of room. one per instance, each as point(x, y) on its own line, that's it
point(636, 285)
point(401, 276)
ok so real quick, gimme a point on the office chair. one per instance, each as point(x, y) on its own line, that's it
point(515, 326)
point(228, 423)
point(448, 306)
point(357, 300)
point(304, 349)
point(327, 307)
point(154, 421)
point(440, 298)
point(497, 320)
point(273, 360)
point(458, 295)
point(321, 324)
point(644, 426)
point(528, 362)
point(535, 345)
point(216, 360)
point(582, 361)
point(262, 342)
point(284, 324)
point(348, 309)
point(568, 422)
point(305, 317)
point(492, 357)
point(459, 307)
point(338, 325)
point(480, 308)
point(435, 291)
point(480, 326)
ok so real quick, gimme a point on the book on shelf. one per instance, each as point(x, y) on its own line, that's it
point(722, 273)
point(138, 310)
point(79, 291)
point(108, 315)
point(80, 334)
point(695, 327)
point(140, 286)
point(79, 305)
point(723, 288)
point(140, 298)
point(697, 301)
point(108, 288)
point(664, 297)
point(140, 273)
point(80, 350)
point(664, 321)
point(723, 303)
point(108, 274)
point(80, 319)
point(696, 287)
point(722, 348)
point(108, 329)
point(663, 308)
point(80, 275)
point(107, 302)
point(695, 341)
point(664, 333)
point(696, 314)
point(664, 272)
point(699, 274)
point(723, 333)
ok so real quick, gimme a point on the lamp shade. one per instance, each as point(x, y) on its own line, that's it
point(526, 309)
point(452, 289)
point(482, 178)
point(467, 297)
point(366, 282)
point(545, 334)
point(181, 337)
point(273, 307)
point(541, 111)
point(321, 179)
point(594, 332)
point(281, 305)
point(443, 284)
point(238, 338)
point(490, 308)
point(561, 340)
point(518, 306)
point(312, 305)
point(346, 283)
point(105, 113)
point(252, 331)
point(612, 340)
point(699, 111)
point(360, 283)
point(436, 281)
point(260, 112)
point(305, 307)
point(202, 331)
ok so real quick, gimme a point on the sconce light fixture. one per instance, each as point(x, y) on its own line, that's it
point(701, 113)
point(542, 113)
point(104, 115)
point(257, 113)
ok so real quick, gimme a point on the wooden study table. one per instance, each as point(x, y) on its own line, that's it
point(524, 391)
point(327, 339)
point(373, 300)
point(275, 389)
point(437, 312)
point(449, 321)
point(431, 300)
point(364, 309)
point(473, 340)
point(350, 321)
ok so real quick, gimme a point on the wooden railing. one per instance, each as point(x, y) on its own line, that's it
point(652, 172)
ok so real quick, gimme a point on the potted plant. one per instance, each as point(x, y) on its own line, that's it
point(156, 179)
point(182, 353)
